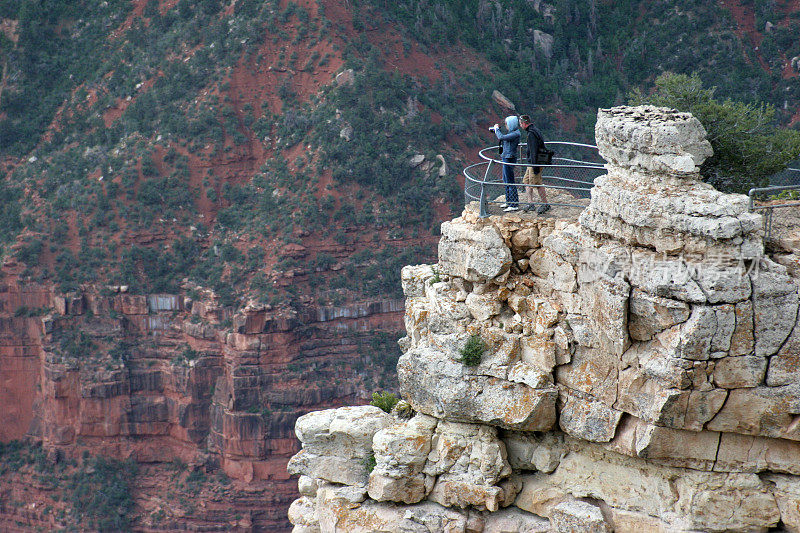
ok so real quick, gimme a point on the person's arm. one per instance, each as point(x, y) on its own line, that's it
point(507, 136)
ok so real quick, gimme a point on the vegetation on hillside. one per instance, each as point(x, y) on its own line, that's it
point(139, 126)
point(575, 56)
point(93, 494)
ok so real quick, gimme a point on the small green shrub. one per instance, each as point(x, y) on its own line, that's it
point(472, 351)
point(384, 400)
point(369, 463)
point(436, 278)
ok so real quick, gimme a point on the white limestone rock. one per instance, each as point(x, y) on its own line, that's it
point(673, 447)
point(575, 516)
point(594, 372)
point(783, 366)
point(787, 496)
point(307, 486)
point(531, 451)
point(436, 385)
point(483, 306)
point(646, 398)
point(764, 411)
point(775, 306)
point(745, 453)
point(583, 417)
point(401, 451)
point(469, 462)
point(739, 372)
point(526, 238)
point(336, 514)
point(556, 273)
point(415, 278)
point(513, 520)
point(672, 216)
point(742, 340)
point(303, 514)
point(606, 304)
point(650, 314)
point(652, 140)
point(475, 254)
point(686, 499)
point(708, 330)
point(444, 303)
point(336, 442)
point(676, 368)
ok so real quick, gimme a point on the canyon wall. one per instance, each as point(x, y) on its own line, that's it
point(168, 378)
point(638, 371)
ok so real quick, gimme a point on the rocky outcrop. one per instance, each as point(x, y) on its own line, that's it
point(638, 371)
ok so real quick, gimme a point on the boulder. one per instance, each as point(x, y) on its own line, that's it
point(475, 254)
point(585, 418)
point(652, 140)
point(575, 516)
point(650, 315)
point(401, 451)
point(501, 100)
point(345, 77)
point(529, 451)
point(336, 443)
point(436, 385)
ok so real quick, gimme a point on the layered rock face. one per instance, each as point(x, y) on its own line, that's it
point(638, 372)
point(177, 377)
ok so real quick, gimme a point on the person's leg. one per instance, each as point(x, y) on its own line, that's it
point(529, 180)
point(542, 192)
point(511, 190)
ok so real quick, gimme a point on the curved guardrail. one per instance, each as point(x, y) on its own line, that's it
point(768, 199)
point(573, 170)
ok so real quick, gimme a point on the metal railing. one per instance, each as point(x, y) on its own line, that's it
point(572, 171)
point(768, 199)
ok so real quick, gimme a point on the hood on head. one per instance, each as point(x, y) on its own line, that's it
point(512, 123)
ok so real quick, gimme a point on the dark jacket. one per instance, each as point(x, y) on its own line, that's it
point(534, 141)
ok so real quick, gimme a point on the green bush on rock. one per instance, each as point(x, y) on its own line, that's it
point(472, 351)
point(384, 400)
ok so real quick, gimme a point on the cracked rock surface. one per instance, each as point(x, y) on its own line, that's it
point(639, 371)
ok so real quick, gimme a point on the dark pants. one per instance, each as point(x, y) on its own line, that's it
point(508, 177)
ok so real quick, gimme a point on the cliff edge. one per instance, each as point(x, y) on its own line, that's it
point(638, 371)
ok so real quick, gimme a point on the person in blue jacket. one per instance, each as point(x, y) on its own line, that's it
point(509, 142)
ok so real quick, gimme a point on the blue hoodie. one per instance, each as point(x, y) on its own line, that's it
point(511, 139)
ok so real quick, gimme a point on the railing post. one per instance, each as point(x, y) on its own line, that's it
point(484, 211)
point(767, 224)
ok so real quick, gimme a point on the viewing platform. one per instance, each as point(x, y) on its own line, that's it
point(566, 181)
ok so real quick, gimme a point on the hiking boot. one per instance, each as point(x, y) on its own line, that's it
point(543, 209)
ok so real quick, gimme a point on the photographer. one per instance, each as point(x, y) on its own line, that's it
point(509, 142)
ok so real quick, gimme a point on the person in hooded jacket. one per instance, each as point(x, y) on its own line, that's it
point(509, 143)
